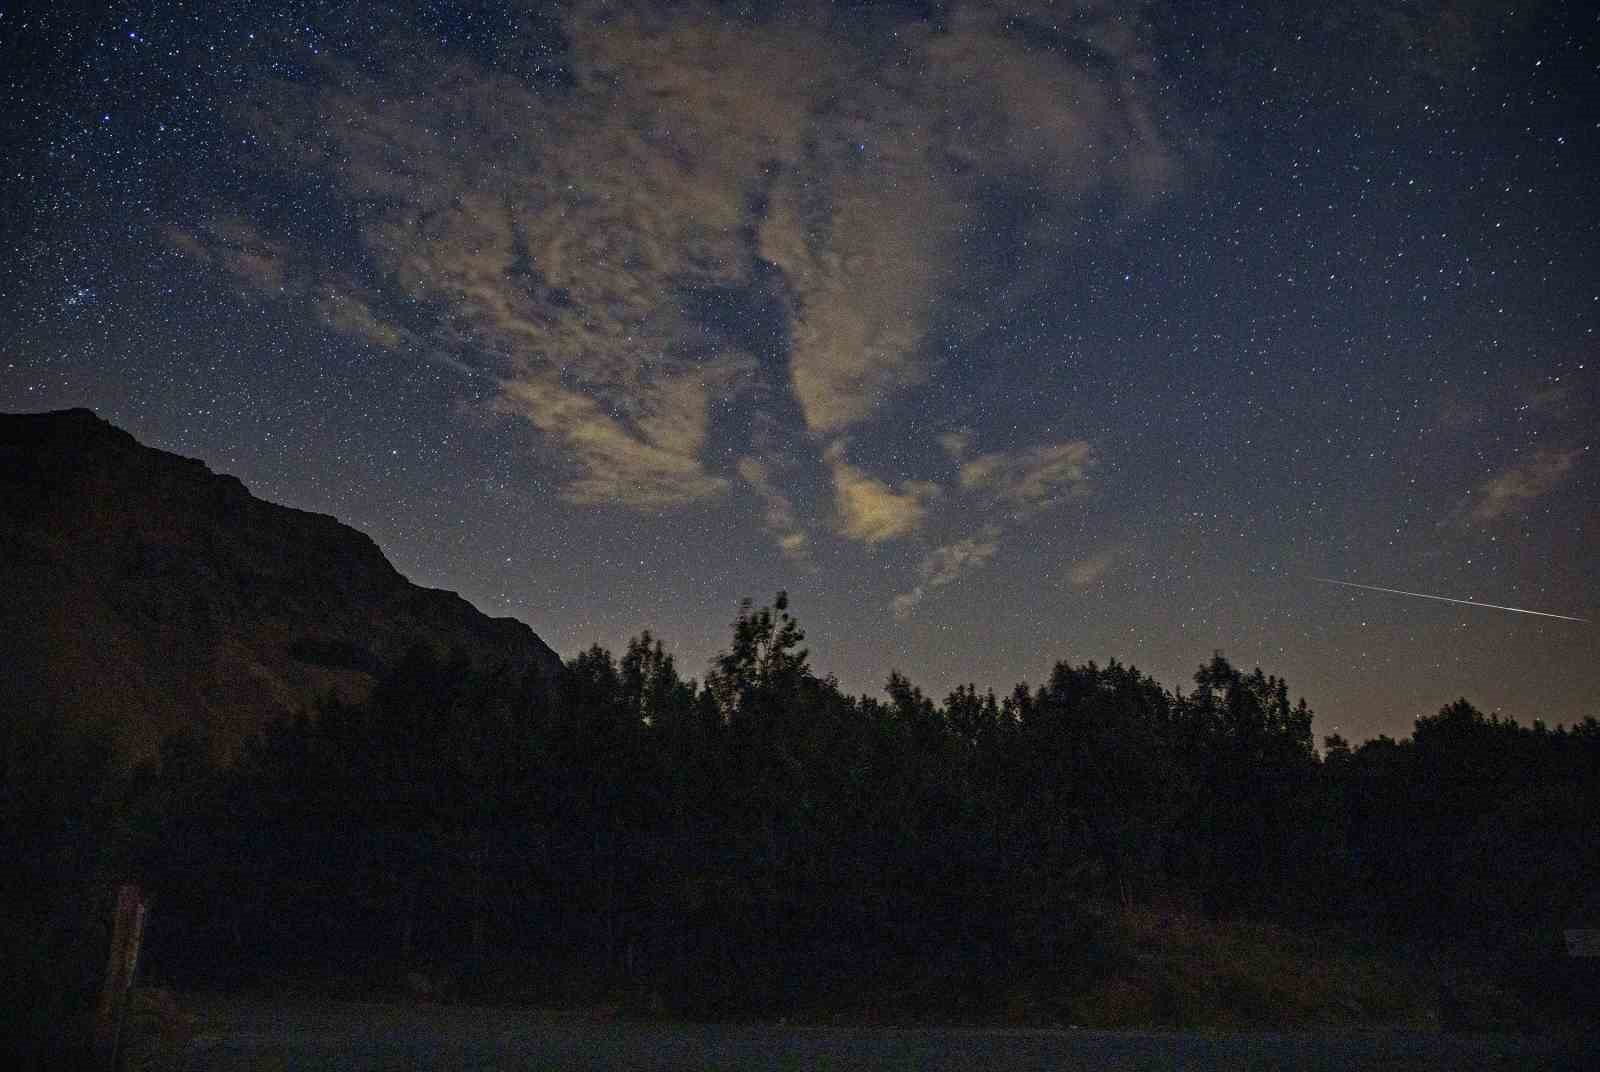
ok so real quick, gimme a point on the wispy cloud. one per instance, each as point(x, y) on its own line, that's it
point(238, 247)
point(551, 237)
point(1515, 487)
point(1022, 483)
point(1034, 478)
point(871, 510)
point(778, 513)
point(861, 298)
point(944, 565)
point(652, 465)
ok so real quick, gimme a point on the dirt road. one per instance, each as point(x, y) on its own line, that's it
point(236, 1036)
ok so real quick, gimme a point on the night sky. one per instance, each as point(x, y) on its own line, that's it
point(996, 334)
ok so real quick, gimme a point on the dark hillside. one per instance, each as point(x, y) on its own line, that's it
point(146, 594)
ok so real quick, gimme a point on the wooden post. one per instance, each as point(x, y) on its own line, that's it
point(126, 933)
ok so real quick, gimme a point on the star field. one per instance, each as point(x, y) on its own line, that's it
point(993, 334)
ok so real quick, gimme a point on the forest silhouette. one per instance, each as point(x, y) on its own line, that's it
point(760, 841)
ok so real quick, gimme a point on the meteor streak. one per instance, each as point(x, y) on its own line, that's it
point(1448, 599)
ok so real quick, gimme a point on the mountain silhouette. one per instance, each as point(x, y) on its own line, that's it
point(145, 594)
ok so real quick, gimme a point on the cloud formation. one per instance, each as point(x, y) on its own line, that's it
point(549, 241)
point(1034, 478)
point(778, 513)
point(653, 464)
point(944, 565)
point(869, 509)
point(1023, 482)
point(238, 247)
point(1515, 487)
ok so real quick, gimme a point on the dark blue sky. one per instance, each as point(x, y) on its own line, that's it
point(996, 336)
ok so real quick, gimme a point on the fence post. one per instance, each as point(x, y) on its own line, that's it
point(127, 930)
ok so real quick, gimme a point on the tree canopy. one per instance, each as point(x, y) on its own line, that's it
point(763, 839)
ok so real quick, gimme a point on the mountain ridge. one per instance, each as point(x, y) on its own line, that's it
point(148, 594)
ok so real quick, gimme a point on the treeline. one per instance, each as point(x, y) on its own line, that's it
point(763, 841)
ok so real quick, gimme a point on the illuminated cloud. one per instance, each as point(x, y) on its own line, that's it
point(349, 313)
point(618, 466)
point(869, 509)
point(1511, 490)
point(944, 565)
point(1031, 479)
point(547, 240)
point(868, 224)
point(556, 236)
point(778, 513)
point(861, 290)
point(1061, 97)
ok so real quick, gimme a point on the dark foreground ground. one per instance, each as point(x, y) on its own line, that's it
point(267, 1037)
